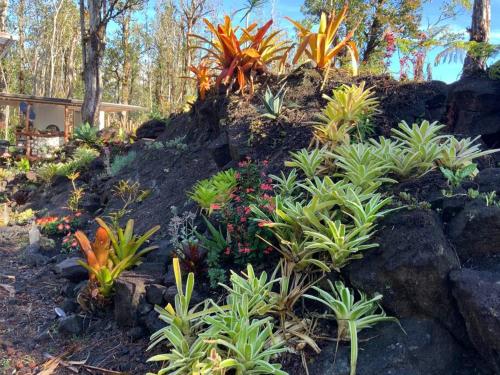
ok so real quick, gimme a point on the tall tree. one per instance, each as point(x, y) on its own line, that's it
point(479, 33)
point(95, 16)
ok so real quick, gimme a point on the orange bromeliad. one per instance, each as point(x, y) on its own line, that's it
point(203, 78)
point(239, 59)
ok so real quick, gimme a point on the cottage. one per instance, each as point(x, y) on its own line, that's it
point(50, 122)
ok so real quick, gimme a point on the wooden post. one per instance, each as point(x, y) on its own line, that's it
point(66, 124)
point(27, 129)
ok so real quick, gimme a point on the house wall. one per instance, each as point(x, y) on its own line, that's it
point(46, 114)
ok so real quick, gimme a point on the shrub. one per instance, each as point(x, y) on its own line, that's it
point(422, 140)
point(23, 165)
point(81, 159)
point(121, 161)
point(243, 232)
point(209, 338)
point(47, 171)
point(359, 164)
point(494, 71)
point(456, 177)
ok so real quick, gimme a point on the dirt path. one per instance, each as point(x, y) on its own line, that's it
point(28, 322)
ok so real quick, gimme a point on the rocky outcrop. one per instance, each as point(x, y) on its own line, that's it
point(70, 269)
point(424, 347)
point(472, 108)
point(475, 231)
point(410, 268)
point(151, 129)
point(130, 298)
point(478, 298)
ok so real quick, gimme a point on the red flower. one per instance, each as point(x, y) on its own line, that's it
point(237, 175)
point(250, 190)
point(78, 214)
point(265, 187)
point(228, 251)
point(247, 210)
point(243, 219)
point(60, 227)
point(215, 206)
point(230, 228)
point(67, 227)
point(268, 250)
point(265, 163)
point(245, 250)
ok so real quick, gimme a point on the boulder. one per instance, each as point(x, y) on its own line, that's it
point(475, 231)
point(220, 151)
point(489, 180)
point(130, 294)
point(410, 268)
point(425, 348)
point(151, 129)
point(472, 107)
point(71, 270)
point(33, 256)
point(478, 297)
point(152, 322)
point(155, 293)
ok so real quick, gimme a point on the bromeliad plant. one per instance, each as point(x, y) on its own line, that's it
point(202, 77)
point(240, 58)
point(102, 271)
point(348, 109)
point(273, 103)
point(87, 134)
point(352, 316)
point(458, 154)
point(125, 244)
point(181, 333)
point(322, 47)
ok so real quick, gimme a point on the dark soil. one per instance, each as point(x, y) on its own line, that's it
point(28, 322)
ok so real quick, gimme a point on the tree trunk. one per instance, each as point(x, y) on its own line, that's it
point(479, 32)
point(374, 32)
point(127, 67)
point(93, 45)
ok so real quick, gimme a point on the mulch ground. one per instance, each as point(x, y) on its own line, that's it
point(28, 324)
